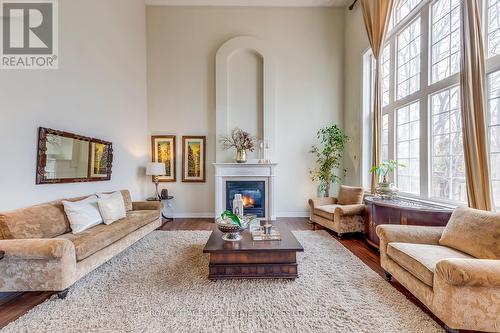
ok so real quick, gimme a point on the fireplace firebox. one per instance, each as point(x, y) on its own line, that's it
point(253, 194)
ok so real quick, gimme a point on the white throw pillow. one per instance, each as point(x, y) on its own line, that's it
point(112, 207)
point(83, 214)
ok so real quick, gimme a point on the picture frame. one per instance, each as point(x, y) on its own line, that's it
point(193, 159)
point(163, 149)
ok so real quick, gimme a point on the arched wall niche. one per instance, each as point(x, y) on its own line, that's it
point(244, 92)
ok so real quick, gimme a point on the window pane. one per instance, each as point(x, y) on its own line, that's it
point(494, 132)
point(404, 7)
point(447, 159)
point(408, 59)
point(385, 137)
point(445, 39)
point(386, 74)
point(493, 33)
point(408, 148)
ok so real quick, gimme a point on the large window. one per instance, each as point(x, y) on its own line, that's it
point(494, 132)
point(421, 119)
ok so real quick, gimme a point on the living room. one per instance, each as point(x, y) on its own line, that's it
point(238, 165)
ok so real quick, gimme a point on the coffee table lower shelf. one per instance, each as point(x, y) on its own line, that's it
point(253, 271)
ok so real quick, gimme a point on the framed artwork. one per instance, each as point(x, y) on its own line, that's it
point(193, 159)
point(163, 150)
point(99, 160)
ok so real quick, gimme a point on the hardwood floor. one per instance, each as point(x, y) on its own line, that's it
point(12, 306)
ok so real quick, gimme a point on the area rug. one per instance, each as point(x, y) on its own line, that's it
point(160, 285)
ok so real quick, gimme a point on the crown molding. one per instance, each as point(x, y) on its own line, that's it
point(250, 3)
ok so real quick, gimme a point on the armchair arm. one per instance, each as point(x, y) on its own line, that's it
point(147, 205)
point(35, 249)
point(350, 210)
point(469, 272)
point(316, 202)
point(409, 234)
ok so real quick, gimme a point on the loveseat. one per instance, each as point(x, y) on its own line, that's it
point(41, 253)
point(453, 270)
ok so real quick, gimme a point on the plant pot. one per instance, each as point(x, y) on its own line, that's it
point(241, 156)
point(386, 189)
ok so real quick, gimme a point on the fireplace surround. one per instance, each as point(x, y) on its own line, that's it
point(236, 177)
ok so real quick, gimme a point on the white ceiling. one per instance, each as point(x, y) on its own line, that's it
point(260, 3)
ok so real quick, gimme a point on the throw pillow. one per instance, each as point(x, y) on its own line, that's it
point(349, 195)
point(474, 232)
point(83, 214)
point(112, 207)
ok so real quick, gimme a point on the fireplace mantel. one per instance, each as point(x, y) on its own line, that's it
point(243, 171)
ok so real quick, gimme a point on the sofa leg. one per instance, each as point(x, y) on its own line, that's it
point(62, 294)
point(313, 226)
point(450, 330)
point(388, 276)
point(340, 235)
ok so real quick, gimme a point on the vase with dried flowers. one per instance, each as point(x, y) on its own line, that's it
point(241, 141)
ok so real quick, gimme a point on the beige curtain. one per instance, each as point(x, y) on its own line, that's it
point(472, 88)
point(376, 14)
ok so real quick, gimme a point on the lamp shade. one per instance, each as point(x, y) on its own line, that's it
point(155, 169)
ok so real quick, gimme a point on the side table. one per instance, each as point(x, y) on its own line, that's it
point(167, 198)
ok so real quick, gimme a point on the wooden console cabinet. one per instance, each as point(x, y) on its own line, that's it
point(401, 211)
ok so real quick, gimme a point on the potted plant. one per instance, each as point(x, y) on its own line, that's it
point(385, 188)
point(241, 141)
point(329, 155)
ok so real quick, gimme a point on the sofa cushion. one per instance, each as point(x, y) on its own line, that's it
point(474, 232)
point(41, 221)
point(349, 195)
point(326, 211)
point(420, 259)
point(97, 238)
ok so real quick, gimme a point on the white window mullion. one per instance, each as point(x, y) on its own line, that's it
point(424, 103)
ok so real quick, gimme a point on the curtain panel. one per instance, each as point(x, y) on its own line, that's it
point(473, 98)
point(376, 15)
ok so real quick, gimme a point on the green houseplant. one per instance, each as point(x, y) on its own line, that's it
point(385, 188)
point(329, 155)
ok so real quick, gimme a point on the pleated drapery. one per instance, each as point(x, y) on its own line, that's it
point(376, 14)
point(473, 98)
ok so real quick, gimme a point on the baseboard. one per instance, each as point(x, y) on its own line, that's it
point(211, 215)
point(193, 215)
point(293, 214)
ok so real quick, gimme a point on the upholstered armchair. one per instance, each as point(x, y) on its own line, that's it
point(453, 270)
point(344, 214)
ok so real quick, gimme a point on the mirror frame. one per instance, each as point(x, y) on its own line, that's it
point(41, 160)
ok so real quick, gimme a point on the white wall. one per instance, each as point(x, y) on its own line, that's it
point(356, 44)
point(99, 90)
point(308, 47)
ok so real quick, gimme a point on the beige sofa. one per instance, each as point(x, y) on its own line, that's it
point(42, 254)
point(344, 214)
point(453, 270)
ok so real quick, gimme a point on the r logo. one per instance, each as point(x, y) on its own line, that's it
point(27, 28)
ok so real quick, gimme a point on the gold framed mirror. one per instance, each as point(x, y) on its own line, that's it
point(65, 157)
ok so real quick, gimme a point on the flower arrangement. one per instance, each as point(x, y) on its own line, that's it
point(239, 139)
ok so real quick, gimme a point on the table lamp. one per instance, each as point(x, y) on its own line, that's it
point(156, 169)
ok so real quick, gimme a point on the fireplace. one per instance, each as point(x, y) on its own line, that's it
point(253, 194)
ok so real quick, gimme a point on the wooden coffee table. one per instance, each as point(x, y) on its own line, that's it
point(253, 259)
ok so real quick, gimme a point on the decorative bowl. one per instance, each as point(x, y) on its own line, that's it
point(232, 231)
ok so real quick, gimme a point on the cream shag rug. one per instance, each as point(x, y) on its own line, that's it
point(160, 285)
